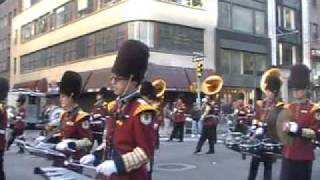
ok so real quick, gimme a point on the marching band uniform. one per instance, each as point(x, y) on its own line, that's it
point(210, 118)
point(179, 120)
point(242, 112)
point(19, 125)
point(75, 131)
point(298, 156)
point(131, 134)
point(273, 85)
point(98, 116)
point(4, 86)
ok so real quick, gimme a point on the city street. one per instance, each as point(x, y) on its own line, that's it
point(174, 161)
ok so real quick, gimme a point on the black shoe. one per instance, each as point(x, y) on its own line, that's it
point(210, 152)
point(196, 151)
point(168, 140)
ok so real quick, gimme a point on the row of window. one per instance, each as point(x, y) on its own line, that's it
point(287, 18)
point(238, 18)
point(239, 62)
point(158, 36)
point(288, 54)
point(60, 16)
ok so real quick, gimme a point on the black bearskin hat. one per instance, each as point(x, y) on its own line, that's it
point(103, 92)
point(71, 83)
point(299, 77)
point(132, 60)
point(21, 99)
point(240, 96)
point(4, 88)
point(148, 90)
point(273, 83)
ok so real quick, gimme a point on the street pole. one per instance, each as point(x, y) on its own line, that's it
point(198, 58)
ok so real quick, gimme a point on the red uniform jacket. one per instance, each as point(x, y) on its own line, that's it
point(179, 114)
point(75, 125)
point(133, 129)
point(212, 118)
point(242, 113)
point(305, 116)
point(20, 119)
point(3, 126)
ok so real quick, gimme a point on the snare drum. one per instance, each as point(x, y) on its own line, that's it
point(250, 146)
point(232, 141)
point(272, 147)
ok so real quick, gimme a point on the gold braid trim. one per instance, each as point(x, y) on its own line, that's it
point(135, 159)
point(308, 133)
point(81, 115)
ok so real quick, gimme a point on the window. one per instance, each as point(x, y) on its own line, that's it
point(27, 32)
point(238, 62)
point(242, 19)
point(143, 31)
point(314, 30)
point(63, 14)
point(289, 18)
point(289, 54)
point(314, 3)
point(41, 24)
point(260, 22)
point(224, 19)
point(85, 7)
point(248, 63)
point(175, 38)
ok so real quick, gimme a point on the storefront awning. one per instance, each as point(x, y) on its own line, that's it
point(40, 85)
point(93, 80)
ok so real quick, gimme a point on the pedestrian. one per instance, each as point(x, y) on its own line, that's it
point(98, 115)
point(196, 123)
point(76, 136)
point(4, 87)
point(19, 125)
point(271, 88)
point(179, 120)
point(210, 120)
point(298, 156)
point(167, 114)
point(131, 133)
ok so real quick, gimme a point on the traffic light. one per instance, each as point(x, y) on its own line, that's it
point(199, 70)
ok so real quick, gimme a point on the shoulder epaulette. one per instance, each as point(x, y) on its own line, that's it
point(286, 106)
point(144, 106)
point(315, 107)
point(110, 105)
point(280, 104)
point(259, 103)
point(81, 115)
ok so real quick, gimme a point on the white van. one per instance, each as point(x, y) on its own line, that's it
point(34, 104)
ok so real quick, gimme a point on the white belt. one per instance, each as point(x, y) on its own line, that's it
point(2, 131)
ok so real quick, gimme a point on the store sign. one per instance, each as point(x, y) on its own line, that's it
point(315, 52)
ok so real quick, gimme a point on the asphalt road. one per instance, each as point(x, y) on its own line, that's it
point(174, 161)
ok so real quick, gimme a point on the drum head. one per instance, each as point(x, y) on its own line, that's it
point(283, 118)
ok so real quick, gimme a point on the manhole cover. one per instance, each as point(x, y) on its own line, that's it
point(174, 167)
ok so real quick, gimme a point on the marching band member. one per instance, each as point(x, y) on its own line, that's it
point(271, 88)
point(242, 113)
point(179, 120)
point(19, 125)
point(4, 87)
point(75, 131)
point(131, 133)
point(298, 156)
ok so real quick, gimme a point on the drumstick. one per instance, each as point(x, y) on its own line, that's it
point(66, 163)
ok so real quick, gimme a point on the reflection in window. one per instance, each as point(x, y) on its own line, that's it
point(289, 18)
point(63, 14)
point(41, 24)
point(85, 7)
point(242, 19)
point(224, 19)
point(260, 22)
point(248, 63)
point(27, 32)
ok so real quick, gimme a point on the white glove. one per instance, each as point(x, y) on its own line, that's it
point(155, 126)
point(259, 131)
point(63, 146)
point(107, 168)
point(253, 127)
point(87, 159)
point(293, 127)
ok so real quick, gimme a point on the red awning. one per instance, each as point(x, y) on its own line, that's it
point(40, 85)
point(175, 77)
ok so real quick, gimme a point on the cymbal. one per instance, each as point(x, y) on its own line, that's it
point(284, 118)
